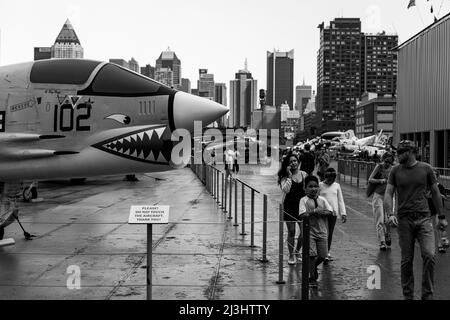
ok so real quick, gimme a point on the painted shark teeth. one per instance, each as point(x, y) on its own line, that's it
point(145, 145)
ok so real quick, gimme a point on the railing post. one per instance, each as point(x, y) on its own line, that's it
point(252, 221)
point(280, 247)
point(357, 178)
point(230, 204)
point(243, 211)
point(217, 187)
point(235, 204)
point(224, 193)
point(305, 258)
point(264, 245)
point(351, 172)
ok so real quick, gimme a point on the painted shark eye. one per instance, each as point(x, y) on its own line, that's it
point(121, 118)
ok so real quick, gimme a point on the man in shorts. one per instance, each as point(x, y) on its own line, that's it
point(411, 179)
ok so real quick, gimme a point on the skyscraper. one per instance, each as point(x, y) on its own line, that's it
point(133, 65)
point(243, 99)
point(185, 85)
point(165, 76)
point(67, 44)
point(348, 64)
point(220, 96)
point(339, 74)
point(169, 60)
point(302, 96)
point(148, 71)
point(42, 53)
point(280, 78)
point(205, 84)
point(380, 63)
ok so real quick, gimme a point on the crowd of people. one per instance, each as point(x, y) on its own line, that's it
point(418, 213)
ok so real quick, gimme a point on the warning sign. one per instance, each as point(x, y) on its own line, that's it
point(149, 215)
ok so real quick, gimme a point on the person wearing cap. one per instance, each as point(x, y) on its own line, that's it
point(410, 179)
point(379, 178)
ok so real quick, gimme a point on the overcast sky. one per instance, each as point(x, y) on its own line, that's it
point(213, 34)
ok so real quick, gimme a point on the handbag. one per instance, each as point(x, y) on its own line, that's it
point(372, 186)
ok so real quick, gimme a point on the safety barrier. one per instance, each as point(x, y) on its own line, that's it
point(358, 172)
point(220, 185)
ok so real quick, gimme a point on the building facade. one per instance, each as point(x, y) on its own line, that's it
point(185, 85)
point(205, 84)
point(243, 99)
point(42, 53)
point(148, 71)
point(375, 113)
point(423, 99)
point(169, 60)
point(120, 62)
point(280, 78)
point(165, 76)
point(302, 96)
point(67, 44)
point(339, 80)
point(380, 63)
point(133, 65)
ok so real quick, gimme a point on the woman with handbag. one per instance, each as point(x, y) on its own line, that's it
point(377, 186)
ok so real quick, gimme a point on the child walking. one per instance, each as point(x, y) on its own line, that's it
point(318, 209)
point(331, 191)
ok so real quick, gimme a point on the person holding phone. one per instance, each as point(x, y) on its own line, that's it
point(291, 181)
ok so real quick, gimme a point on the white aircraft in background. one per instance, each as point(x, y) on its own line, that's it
point(76, 118)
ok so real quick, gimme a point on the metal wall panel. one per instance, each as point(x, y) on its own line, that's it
point(423, 99)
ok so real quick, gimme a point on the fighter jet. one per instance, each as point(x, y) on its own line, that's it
point(76, 118)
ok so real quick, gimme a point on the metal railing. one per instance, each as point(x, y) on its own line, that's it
point(220, 185)
point(358, 172)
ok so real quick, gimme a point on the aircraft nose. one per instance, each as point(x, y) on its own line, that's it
point(188, 108)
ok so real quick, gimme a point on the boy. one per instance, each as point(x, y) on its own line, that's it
point(318, 209)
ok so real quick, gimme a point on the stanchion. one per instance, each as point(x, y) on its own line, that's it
point(235, 204)
point(226, 194)
point(351, 173)
point(280, 247)
point(357, 174)
point(149, 260)
point(230, 204)
point(243, 211)
point(305, 258)
point(217, 187)
point(252, 221)
point(223, 203)
point(264, 245)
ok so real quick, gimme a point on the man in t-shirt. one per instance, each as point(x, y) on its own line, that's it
point(411, 179)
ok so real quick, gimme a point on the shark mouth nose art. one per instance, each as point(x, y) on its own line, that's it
point(146, 145)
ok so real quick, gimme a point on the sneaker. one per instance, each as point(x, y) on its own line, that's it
point(388, 239)
point(298, 255)
point(442, 249)
point(292, 261)
point(383, 246)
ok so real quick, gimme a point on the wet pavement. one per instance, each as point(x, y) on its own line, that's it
point(199, 255)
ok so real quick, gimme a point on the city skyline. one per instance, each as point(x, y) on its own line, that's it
point(236, 31)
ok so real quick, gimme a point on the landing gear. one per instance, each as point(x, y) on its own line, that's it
point(29, 193)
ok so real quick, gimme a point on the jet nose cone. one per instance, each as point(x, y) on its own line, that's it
point(188, 108)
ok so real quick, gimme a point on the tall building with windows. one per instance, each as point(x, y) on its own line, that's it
point(133, 65)
point(380, 63)
point(243, 99)
point(220, 96)
point(280, 78)
point(165, 76)
point(67, 44)
point(148, 71)
point(339, 74)
point(185, 85)
point(205, 84)
point(302, 97)
point(42, 53)
point(169, 60)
